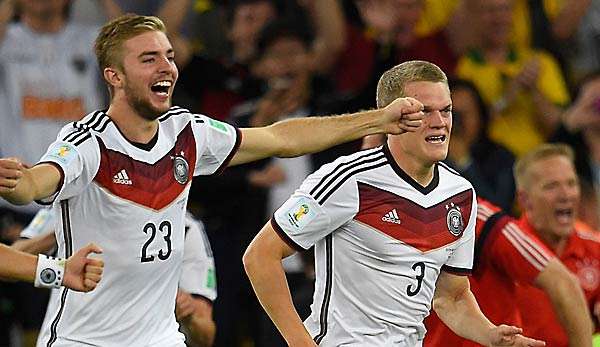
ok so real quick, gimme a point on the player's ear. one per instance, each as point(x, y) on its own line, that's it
point(113, 77)
point(522, 198)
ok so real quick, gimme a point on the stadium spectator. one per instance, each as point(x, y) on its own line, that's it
point(134, 162)
point(383, 35)
point(524, 87)
point(486, 164)
point(49, 76)
point(366, 214)
point(548, 191)
point(585, 59)
point(507, 257)
point(215, 86)
point(580, 128)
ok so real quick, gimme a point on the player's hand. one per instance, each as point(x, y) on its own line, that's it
point(82, 273)
point(402, 115)
point(505, 335)
point(11, 172)
point(184, 305)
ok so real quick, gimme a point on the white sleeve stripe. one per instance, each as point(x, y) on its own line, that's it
point(520, 247)
point(483, 216)
point(484, 209)
point(523, 237)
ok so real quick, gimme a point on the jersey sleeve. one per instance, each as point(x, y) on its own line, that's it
point(518, 254)
point(41, 224)
point(216, 144)
point(461, 260)
point(315, 210)
point(77, 156)
point(198, 269)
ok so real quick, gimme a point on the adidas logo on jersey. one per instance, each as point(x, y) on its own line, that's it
point(391, 217)
point(122, 178)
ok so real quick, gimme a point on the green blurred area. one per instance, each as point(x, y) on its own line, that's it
point(597, 340)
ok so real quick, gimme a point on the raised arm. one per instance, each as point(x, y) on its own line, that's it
point(262, 262)
point(457, 308)
point(20, 185)
point(328, 18)
point(568, 301)
point(299, 136)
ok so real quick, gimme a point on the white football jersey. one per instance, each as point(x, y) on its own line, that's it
point(381, 240)
point(47, 80)
point(198, 270)
point(131, 202)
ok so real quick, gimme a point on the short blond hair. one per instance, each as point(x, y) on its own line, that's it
point(547, 150)
point(392, 82)
point(108, 45)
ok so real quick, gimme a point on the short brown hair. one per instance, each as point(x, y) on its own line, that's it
point(392, 82)
point(541, 152)
point(114, 33)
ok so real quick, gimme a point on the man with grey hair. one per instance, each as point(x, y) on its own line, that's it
point(548, 191)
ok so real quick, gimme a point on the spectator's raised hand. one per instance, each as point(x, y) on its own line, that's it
point(82, 273)
point(379, 15)
point(585, 111)
point(528, 76)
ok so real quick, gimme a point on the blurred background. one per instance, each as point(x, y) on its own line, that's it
point(523, 72)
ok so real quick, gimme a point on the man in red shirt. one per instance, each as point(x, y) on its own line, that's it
point(506, 258)
point(548, 191)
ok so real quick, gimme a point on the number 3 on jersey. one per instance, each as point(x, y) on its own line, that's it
point(165, 230)
point(420, 269)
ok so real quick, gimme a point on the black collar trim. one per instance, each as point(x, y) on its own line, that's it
point(405, 177)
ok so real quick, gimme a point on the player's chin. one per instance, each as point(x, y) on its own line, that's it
point(437, 154)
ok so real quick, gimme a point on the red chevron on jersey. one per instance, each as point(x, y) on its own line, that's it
point(424, 228)
point(151, 185)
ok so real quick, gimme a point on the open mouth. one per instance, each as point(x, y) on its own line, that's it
point(161, 88)
point(436, 139)
point(564, 215)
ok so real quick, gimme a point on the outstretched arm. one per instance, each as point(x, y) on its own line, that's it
point(20, 185)
point(457, 308)
point(568, 301)
point(299, 136)
point(262, 262)
point(80, 272)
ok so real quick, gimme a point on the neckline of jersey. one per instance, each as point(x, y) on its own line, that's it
point(143, 146)
point(406, 177)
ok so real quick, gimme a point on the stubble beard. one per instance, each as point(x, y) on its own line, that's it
point(141, 106)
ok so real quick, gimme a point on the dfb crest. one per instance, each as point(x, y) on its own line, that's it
point(181, 169)
point(454, 219)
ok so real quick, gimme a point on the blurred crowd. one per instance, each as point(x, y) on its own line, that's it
point(523, 72)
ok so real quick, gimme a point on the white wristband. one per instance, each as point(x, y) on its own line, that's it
point(50, 272)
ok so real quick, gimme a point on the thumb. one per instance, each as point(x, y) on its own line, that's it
point(508, 330)
point(91, 248)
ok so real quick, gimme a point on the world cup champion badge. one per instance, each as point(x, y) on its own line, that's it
point(454, 219)
point(181, 169)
